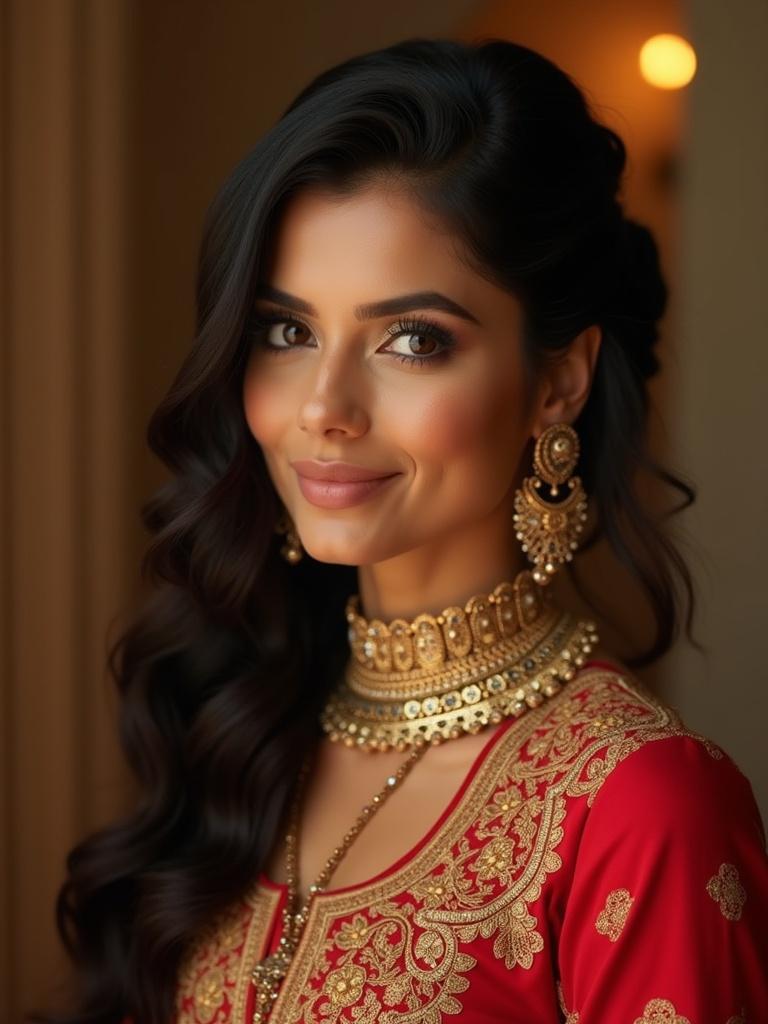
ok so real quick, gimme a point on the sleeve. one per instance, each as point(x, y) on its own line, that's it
point(666, 920)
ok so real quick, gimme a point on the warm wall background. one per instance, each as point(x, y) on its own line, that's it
point(118, 120)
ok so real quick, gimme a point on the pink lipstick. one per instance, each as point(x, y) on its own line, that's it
point(339, 484)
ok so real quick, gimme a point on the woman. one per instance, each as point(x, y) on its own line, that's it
point(387, 776)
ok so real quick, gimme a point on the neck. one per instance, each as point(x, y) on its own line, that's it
point(445, 572)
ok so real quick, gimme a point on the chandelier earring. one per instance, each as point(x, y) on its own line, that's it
point(291, 550)
point(549, 531)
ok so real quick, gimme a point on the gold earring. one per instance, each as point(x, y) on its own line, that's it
point(292, 550)
point(549, 531)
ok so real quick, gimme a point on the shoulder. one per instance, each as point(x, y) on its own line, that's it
point(650, 770)
point(663, 896)
point(614, 758)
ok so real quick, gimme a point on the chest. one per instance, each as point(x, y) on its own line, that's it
point(343, 781)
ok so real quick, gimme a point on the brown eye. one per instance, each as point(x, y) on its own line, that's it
point(421, 344)
point(293, 333)
point(279, 333)
point(420, 341)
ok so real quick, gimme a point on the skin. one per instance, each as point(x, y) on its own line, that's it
point(459, 430)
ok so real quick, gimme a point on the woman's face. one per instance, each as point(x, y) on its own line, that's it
point(441, 406)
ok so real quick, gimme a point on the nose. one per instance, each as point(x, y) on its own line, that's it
point(334, 401)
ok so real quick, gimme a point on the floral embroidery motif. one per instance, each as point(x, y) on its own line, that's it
point(353, 934)
point(661, 1011)
point(495, 859)
point(612, 918)
point(727, 891)
point(570, 1016)
point(344, 986)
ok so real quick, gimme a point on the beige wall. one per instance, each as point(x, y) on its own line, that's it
point(119, 118)
point(721, 380)
point(65, 497)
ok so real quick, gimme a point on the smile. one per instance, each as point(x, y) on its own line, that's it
point(337, 494)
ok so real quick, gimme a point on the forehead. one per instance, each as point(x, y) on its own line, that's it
point(366, 244)
point(377, 229)
point(338, 251)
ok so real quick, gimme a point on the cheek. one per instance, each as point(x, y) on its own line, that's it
point(264, 412)
point(464, 424)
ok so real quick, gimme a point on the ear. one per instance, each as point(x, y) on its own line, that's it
point(566, 380)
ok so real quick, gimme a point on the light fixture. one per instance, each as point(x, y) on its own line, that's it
point(667, 61)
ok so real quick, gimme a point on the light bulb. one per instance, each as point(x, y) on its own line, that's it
point(667, 61)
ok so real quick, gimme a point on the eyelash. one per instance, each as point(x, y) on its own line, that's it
point(405, 325)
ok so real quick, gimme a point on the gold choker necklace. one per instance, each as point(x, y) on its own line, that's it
point(437, 677)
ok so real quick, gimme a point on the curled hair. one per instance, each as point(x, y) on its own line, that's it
point(223, 672)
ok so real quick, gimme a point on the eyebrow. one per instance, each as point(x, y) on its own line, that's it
point(373, 310)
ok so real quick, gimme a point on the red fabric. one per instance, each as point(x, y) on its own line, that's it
point(599, 864)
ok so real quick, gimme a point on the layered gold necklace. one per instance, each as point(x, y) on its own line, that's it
point(437, 677)
point(410, 684)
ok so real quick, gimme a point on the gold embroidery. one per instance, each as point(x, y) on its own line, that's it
point(611, 919)
point(570, 1016)
point(727, 891)
point(479, 874)
point(661, 1011)
point(215, 972)
point(353, 935)
point(495, 859)
point(344, 986)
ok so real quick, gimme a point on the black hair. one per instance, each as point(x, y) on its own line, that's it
point(223, 671)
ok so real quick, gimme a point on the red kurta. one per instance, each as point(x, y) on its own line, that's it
point(600, 864)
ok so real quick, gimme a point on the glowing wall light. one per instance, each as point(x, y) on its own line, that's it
point(667, 61)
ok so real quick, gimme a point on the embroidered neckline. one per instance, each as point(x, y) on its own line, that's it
point(445, 818)
point(440, 822)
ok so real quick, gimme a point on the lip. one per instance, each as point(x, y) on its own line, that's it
point(336, 472)
point(353, 484)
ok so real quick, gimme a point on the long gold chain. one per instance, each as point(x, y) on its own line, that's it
point(269, 972)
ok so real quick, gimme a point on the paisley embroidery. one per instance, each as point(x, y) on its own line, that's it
point(661, 1011)
point(612, 918)
point(727, 891)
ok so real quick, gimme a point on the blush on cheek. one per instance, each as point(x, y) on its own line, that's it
point(453, 424)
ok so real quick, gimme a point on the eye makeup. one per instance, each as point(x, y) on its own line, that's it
point(421, 325)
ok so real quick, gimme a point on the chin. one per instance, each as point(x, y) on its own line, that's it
point(344, 554)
